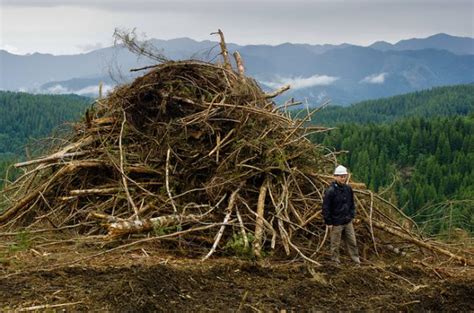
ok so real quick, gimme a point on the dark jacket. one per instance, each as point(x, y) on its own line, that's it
point(338, 205)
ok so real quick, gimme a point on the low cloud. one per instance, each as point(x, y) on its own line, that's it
point(58, 89)
point(9, 48)
point(301, 82)
point(89, 90)
point(375, 78)
point(90, 47)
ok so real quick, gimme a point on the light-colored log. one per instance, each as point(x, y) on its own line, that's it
point(257, 243)
point(240, 65)
point(277, 92)
point(225, 53)
point(95, 191)
point(119, 227)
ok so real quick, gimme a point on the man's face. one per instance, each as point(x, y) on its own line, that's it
point(341, 179)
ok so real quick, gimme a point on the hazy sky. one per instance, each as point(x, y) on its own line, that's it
point(72, 26)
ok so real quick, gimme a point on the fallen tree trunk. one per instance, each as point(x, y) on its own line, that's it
point(418, 242)
point(118, 227)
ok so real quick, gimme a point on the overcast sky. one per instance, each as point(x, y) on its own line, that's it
point(73, 26)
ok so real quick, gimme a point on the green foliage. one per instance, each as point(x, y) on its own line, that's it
point(25, 117)
point(22, 242)
point(447, 218)
point(160, 231)
point(236, 245)
point(7, 171)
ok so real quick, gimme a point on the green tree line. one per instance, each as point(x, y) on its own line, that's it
point(25, 117)
point(439, 101)
point(425, 161)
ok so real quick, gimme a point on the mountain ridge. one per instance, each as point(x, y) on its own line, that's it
point(345, 73)
point(458, 45)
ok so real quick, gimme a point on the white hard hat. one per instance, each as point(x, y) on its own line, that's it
point(340, 170)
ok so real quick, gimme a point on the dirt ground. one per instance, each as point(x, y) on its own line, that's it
point(152, 280)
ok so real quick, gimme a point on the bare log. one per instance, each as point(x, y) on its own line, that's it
point(119, 227)
point(257, 243)
point(240, 64)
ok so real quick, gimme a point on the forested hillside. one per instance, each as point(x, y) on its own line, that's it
point(24, 117)
point(441, 101)
point(423, 159)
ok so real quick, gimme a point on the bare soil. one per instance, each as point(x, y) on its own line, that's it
point(151, 280)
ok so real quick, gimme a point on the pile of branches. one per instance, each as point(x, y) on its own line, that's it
point(197, 151)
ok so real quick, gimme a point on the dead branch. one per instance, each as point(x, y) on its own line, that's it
point(257, 243)
point(277, 92)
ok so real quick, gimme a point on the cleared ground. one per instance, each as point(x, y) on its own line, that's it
point(150, 279)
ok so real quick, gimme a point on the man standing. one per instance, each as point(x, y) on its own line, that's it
point(338, 213)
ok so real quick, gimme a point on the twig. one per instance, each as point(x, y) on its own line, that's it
point(244, 297)
point(51, 158)
point(370, 222)
point(124, 179)
point(167, 181)
point(143, 68)
point(47, 306)
point(286, 105)
point(242, 228)
point(229, 208)
point(326, 232)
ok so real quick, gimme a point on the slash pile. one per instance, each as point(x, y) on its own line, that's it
point(197, 151)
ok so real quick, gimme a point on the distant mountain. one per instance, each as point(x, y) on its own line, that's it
point(348, 75)
point(344, 73)
point(456, 45)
